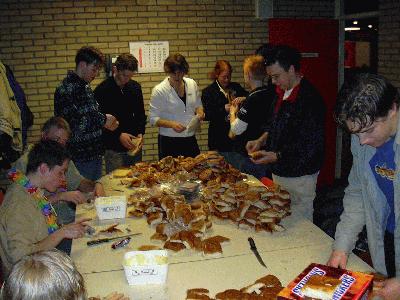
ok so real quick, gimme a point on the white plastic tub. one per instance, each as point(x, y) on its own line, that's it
point(112, 207)
point(146, 267)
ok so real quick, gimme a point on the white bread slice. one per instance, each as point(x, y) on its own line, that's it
point(320, 287)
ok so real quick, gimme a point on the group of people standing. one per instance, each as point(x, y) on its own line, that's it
point(276, 127)
point(106, 121)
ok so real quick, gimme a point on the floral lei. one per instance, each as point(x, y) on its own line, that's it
point(46, 208)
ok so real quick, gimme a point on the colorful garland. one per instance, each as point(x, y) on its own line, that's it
point(46, 208)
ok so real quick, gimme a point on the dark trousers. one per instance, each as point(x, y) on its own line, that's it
point(175, 146)
point(389, 255)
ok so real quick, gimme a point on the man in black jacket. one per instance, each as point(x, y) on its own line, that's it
point(122, 97)
point(294, 142)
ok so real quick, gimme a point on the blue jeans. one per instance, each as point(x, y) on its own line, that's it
point(90, 169)
point(115, 160)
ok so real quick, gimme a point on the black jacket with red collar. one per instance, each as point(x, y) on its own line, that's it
point(297, 133)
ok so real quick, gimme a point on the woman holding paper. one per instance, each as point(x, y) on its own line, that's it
point(175, 107)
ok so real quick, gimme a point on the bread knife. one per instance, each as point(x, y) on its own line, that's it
point(106, 240)
point(255, 251)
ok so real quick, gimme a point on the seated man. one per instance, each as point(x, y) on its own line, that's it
point(57, 129)
point(28, 222)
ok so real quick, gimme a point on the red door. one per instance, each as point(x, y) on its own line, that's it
point(317, 40)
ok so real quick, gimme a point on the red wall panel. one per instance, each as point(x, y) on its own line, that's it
point(317, 40)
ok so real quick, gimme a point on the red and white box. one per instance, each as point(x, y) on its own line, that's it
point(351, 285)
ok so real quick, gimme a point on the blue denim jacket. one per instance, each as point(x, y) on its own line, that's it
point(365, 204)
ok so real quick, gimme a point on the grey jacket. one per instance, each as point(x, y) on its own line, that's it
point(365, 204)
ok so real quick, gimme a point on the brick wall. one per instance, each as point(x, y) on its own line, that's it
point(39, 39)
point(389, 41)
point(304, 9)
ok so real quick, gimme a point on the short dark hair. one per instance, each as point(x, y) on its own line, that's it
point(90, 55)
point(176, 62)
point(126, 61)
point(49, 152)
point(56, 122)
point(265, 51)
point(285, 56)
point(363, 99)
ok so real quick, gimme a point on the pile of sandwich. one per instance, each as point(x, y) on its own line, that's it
point(266, 288)
point(250, 207)
point(207, 166)
point(179, 225)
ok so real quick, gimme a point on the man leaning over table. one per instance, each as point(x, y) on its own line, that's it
point(72, 192)
point(74, 101)
point(368, 106)
point(122, 97)
point(294, 142)
point(28, 222)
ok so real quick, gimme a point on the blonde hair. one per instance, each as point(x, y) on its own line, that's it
point(255, 65)
point(45, 275)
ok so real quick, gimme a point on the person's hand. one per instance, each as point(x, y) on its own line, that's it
point(263, 157)
point(99, 190)
point(126, 140)
point(177, 127)
point(74, 230)
point(338, 259)
point(388, 289)
point(76, 197)
point(201, 115)
point(116, 296)
point(238, 100)
point(253, 146)
point(227, 107)
point(233, 109)
point(112, 296)
point(111, 122)
point(140, 144)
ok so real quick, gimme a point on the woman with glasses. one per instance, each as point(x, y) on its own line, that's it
point(175, 107)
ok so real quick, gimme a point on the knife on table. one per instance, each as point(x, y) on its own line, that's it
point(106, 240)
point(255, 251)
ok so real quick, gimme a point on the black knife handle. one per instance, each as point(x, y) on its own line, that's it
point(96, 242)
point(252, 244)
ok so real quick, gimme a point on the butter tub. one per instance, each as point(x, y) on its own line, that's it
point(112, 207)
point(146, 267)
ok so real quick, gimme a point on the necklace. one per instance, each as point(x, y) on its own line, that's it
point(42, 202)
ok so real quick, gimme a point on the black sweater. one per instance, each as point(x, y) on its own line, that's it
point(126, 105)
point(214, 107)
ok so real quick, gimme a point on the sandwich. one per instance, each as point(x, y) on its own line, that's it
point(321, 287)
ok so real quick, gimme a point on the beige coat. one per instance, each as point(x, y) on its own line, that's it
point(10, 115)
point(22, 226)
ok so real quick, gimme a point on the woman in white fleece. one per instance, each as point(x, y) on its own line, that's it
point(174, 103)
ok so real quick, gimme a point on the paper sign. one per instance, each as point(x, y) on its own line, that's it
point(150, 55)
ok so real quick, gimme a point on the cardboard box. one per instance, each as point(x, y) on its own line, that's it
point(112, 207)
point(355, 285)
point(146, 267)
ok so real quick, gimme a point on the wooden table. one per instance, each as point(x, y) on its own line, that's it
point(286, 254)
